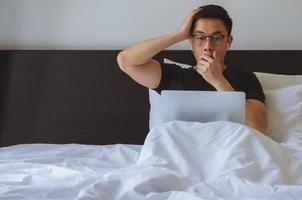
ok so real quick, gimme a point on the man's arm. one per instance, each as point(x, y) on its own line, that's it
point(137, 61)
point(255, 111)
point(211, 70)
point(256, 115)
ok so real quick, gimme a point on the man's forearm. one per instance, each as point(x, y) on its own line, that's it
point(144, 51)
point(258, 123)
point(256, 117)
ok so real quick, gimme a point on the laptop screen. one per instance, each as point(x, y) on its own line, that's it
point(198, 106)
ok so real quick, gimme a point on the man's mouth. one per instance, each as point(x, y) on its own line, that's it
point(210, 55)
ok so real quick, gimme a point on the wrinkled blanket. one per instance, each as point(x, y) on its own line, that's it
point(179, 160)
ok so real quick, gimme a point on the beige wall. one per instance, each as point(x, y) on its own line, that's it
point(112, 24)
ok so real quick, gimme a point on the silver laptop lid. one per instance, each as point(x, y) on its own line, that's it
point(200, 106)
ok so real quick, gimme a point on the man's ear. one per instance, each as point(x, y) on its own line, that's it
point(190, 43)
point(228, 46)
point(229, 42)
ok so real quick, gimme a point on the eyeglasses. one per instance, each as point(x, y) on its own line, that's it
point(200, 39)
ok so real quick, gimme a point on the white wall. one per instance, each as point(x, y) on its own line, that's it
point(105, 24)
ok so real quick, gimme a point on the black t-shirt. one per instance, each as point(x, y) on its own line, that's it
point(176, 78)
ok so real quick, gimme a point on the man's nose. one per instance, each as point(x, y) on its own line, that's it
point(208, 46)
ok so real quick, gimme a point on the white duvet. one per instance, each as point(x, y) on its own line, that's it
point(179, 160)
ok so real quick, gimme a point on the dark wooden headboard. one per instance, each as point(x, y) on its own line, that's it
point(81, 96)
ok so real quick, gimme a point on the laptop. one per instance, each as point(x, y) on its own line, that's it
point(198, 106)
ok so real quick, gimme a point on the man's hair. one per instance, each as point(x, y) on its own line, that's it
point(213, 12)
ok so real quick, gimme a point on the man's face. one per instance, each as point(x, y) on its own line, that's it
point(210, 35)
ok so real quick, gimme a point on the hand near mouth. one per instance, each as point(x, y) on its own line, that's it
point(211, 70)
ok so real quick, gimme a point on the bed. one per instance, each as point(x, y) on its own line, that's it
point(73, 126)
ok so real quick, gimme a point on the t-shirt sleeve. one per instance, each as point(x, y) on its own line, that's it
point(170, 76)
point(253, 88)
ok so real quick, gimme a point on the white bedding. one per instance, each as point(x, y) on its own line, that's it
point(179, 160)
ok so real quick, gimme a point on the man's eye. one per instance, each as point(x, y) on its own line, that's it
point(218, 38)
point(201, 38)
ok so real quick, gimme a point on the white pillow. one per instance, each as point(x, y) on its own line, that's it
point(284, 109)
point(167, 61)
point(154, 99)
point(276, 81)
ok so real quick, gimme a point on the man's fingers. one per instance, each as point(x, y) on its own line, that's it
point(206, 58)
point(214, 54)
point(193, 12)
point(203, 62)
point(196, 10)
point(201, 70)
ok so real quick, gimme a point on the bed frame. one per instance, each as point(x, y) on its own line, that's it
point(81, 96)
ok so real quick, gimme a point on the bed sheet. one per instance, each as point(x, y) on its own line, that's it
point(179, 160)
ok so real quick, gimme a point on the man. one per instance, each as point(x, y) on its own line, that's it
point(208, 30)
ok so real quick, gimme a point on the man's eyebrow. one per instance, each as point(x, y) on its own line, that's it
point(215, 33)
point(199, 32)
